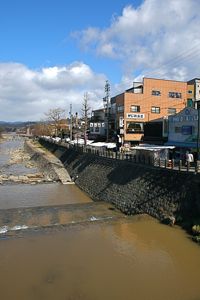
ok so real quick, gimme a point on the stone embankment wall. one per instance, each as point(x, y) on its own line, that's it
point(131, 187)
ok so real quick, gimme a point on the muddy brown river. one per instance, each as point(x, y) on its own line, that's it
point(121, 258)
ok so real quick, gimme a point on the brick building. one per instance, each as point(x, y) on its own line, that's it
point(146, 101)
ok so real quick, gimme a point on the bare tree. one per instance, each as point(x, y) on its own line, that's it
point(54, 117)
point(1, 130)
point(85, 116)
point(41, 128)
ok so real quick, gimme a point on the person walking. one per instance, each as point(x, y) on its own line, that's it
point(189, 158)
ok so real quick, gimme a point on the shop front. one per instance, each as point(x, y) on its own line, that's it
point(183, 132)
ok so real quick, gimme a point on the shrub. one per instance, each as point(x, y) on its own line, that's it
point(196, 229)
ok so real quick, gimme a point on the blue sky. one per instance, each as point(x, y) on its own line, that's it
point(37, 33)
point(54, 51)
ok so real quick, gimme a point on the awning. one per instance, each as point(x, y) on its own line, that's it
point(149, 147)
point(182, 144)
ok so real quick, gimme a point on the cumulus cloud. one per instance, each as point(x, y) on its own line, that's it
point(158, 39)
point(27, 94)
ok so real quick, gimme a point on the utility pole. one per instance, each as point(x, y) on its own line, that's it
point(85, 112)
point(70, 114)
point(107, 99)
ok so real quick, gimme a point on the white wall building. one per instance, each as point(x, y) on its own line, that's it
point(183, 129)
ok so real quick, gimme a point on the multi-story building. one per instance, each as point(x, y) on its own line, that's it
point(146, 101)
point(193, 92)
point(97, 124)
point(184, 131)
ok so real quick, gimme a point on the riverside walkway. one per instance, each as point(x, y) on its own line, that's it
point(177, 165)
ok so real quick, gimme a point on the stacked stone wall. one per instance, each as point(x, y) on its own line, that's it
point(131, 187)
point(43, 163)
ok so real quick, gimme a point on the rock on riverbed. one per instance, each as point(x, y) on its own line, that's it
point(23, 161)
point(28, 178)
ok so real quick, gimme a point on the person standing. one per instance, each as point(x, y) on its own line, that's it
point(189, 158)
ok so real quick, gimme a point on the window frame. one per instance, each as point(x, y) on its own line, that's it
point(172, 108)
point(175, 95)
point(156, 93)
point(120, 108)
point(155, 110)
point(177, 129)
point(137, 108)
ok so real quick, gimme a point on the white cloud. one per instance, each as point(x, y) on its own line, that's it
point(27, 94)
point(159, 36)
point(157, 39)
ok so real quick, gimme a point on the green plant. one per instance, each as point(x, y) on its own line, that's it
point(196, 229)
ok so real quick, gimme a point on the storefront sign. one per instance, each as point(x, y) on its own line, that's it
point(121, 122)
point(185, 118)
point(135, 116)
point(97, 124)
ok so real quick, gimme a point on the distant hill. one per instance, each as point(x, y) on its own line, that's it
point(12, 126)
point(16, 123)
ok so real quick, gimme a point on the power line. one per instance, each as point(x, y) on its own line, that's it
point(187, 54)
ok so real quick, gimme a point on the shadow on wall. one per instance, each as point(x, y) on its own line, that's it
point(123, 174)
point(135, 188)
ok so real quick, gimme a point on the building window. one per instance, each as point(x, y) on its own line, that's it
point(156, 93)
point(155, 110)
point(175, 95)
point(189, 92)
point(120, 108)
point(135, 108)
point(134, 127)
point(186, 130)
point(178, 129)
point(171, 111)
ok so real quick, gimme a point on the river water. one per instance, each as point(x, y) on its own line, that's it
point(128, 258)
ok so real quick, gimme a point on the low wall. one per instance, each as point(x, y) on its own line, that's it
point(131, 187)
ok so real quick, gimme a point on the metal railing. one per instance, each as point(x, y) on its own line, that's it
point(172, 164)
